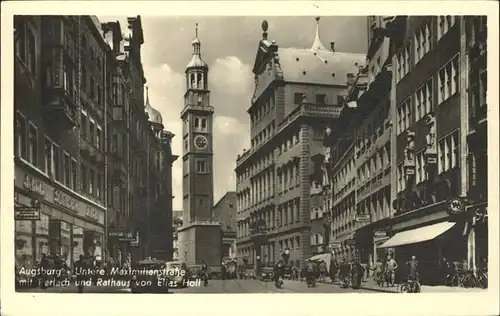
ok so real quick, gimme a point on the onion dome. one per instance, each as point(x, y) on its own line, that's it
point(196, 61)
point(153, 114)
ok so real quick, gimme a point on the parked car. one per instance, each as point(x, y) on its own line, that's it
point(267, 274)
point(194, 271)
point(149, 282)
point(178, 279)
point(249, 274)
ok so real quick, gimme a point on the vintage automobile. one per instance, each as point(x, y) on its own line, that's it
point(267, 274)
point(177, 274)
point(194, 271)
point(143, 282)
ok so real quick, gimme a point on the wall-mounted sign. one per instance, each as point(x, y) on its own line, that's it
point(455, 206)
point(65, 200)
point(380, 234)
point(363, 218)
point(27, 213)
point(34, 185)
point(92, 214)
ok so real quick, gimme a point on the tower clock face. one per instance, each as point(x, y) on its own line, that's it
point(200, 142)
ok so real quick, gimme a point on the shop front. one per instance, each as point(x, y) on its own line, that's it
point(370, 237)
point(68, 225)
point(430, 234)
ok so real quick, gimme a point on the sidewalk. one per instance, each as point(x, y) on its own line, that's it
point(370, 285)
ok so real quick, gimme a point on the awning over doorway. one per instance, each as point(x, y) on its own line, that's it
point(417, 235)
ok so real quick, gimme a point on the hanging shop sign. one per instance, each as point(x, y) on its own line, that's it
point(455, 206)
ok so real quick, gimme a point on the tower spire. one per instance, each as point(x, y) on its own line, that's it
point(196, 42)
point(317, 45)
point(147, 96)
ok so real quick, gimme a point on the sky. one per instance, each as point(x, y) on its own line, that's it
point(229, 46)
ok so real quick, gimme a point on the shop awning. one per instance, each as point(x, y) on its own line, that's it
point(417, 235)
point(324, 256)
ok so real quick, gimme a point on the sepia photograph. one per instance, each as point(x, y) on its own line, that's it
point(319, 154)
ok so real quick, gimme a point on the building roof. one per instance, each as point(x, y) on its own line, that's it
point(318, 66)
point(196, 60)
point(229, 195)
point(153, 114)
point(314, 65)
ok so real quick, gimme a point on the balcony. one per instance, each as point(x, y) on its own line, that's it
point(119, 115)
point(60, 111)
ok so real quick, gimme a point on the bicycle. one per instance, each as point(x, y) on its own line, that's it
point(410, 286)
point(471, 279)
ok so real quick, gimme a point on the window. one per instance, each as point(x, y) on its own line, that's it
point(201, 166)
point(84, 180)
point(33, 145)
point(200, 124)
point(67, 169)
point(48, 157)
point(422, 42)
point(92, 132)
point(98, 137)
point(423, 100)
point(98, 185)
point(56, 167)
point(448, 153)
point(449, 82)
point(68, 78)
point(401, 178)
point(84, 126)
point(403, 62)
point(420, 165)
point(21, 148)
point(31, 45)
point(298, 98)
point(404, 116)
point(444, 24)
point(73, 174)
point(320, 98)
point(91, 182)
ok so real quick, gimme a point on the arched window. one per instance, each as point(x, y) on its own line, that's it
point(200, 81)
point(191, 81)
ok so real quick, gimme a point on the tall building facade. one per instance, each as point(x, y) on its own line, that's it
point(199, 238)
point(225, 211)
point(420, 151)
point(297, 91)
point(78, 106)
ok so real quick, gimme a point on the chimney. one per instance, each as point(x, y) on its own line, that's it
point(332, 46)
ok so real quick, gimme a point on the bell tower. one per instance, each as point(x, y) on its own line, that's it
point(199, 238)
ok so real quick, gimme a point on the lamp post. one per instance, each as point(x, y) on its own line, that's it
point(327, 225)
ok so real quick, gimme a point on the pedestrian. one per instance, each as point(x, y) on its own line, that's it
point(413, 270)
point(391, 269)
point(378, 276)
point(80, 278)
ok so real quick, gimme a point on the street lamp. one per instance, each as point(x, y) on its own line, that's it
point(327, 224)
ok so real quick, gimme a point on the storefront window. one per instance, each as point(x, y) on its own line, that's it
point(77, 242)
point(24, 244)
point(42, 236)
point(92, 245)
point(66, 242)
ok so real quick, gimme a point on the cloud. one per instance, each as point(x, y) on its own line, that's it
point(230, 137)
point(231, 75)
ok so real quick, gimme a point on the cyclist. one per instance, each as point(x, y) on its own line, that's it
point(413, 269)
